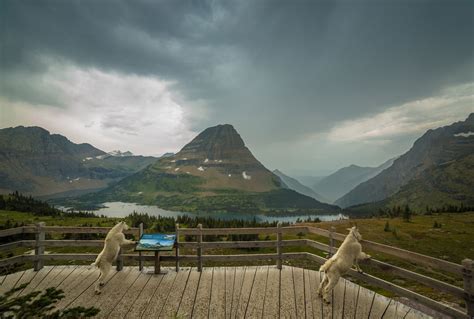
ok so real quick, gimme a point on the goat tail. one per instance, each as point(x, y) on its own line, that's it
point(326, 265)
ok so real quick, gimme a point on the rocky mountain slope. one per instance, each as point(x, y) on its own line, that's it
point(35, 162)
point(427, 162)
point(213, 172)
point(450, 183)
point(346, 178)
point(294, 184)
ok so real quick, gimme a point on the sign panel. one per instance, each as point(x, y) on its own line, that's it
point(155, 242)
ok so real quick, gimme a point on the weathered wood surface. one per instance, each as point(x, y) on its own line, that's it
point(272, 294)
point(256, 301)
point(203, 295)
point(243, 244)
point(62, 229)
point(338, 299)
point(298, 283)
point(218, 301)
point(253, 230)
point(245, 291)
point(10, 281)
point(176, 293)
point(16, 231)
point(160, 296)
point(232, 292)
point(186, 305)
point(141, 302)
point(287, 294)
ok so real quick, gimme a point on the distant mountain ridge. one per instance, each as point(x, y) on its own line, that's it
point(294, 184)
point(445, 147)
point(346, 178)
point(33, 161)
point(309, 181)
point(213, 172)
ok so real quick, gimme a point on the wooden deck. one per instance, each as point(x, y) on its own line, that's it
point(221, 292)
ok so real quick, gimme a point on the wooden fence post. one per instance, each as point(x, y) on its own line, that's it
point(39, 248)
point(199, 250)
point(140, 260)
point(177, 247)
point(468, 286)
point(279, 239)
point(331, 241)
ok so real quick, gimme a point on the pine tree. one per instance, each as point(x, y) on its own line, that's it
point(407, 214)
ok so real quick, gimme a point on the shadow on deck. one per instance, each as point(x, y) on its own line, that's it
point(220, 292)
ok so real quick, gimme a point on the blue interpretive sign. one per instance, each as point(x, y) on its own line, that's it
point(154, 242)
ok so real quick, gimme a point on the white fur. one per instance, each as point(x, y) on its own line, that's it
point(113, 241)
point(347, 255)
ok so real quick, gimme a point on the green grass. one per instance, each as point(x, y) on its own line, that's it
point(29, 218)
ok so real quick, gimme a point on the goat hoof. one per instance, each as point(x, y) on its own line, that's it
point(97, 292)
point(102, 284)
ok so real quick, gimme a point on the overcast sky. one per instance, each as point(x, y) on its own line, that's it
point(311, 86)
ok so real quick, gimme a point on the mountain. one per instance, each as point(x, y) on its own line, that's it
point(120, 153)
point(295, 185)
point(213, 172)
point(431, 155)
point(35, 162)
point(309, 181)
point(450, 183)
point(346, 178)
point(168, 154)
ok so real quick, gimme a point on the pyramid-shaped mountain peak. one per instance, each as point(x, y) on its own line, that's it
point(218, 143)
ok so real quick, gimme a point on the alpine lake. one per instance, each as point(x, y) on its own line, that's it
point(121, 209)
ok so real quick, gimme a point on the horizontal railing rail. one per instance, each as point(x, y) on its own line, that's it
point(242, 231)
point(61, 229)
point(396, 252)
point(17, 231)
point(39, 257)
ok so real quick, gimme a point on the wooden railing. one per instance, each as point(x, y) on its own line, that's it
point(464, 271)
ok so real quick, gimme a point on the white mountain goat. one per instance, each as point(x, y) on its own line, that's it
point(113, 241)
point(347, 255)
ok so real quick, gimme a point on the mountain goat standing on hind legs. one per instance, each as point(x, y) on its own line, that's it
point(113, 241)
point(347, 255)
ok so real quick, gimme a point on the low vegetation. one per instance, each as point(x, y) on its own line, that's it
point(39, 304)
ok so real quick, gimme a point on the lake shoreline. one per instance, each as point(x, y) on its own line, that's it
point(123, 209)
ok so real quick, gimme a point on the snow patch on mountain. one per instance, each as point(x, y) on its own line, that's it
point(464, 134)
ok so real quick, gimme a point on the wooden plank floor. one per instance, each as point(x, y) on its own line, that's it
point(221, 292)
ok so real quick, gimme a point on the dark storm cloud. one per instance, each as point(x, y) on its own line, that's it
point(288, 69)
